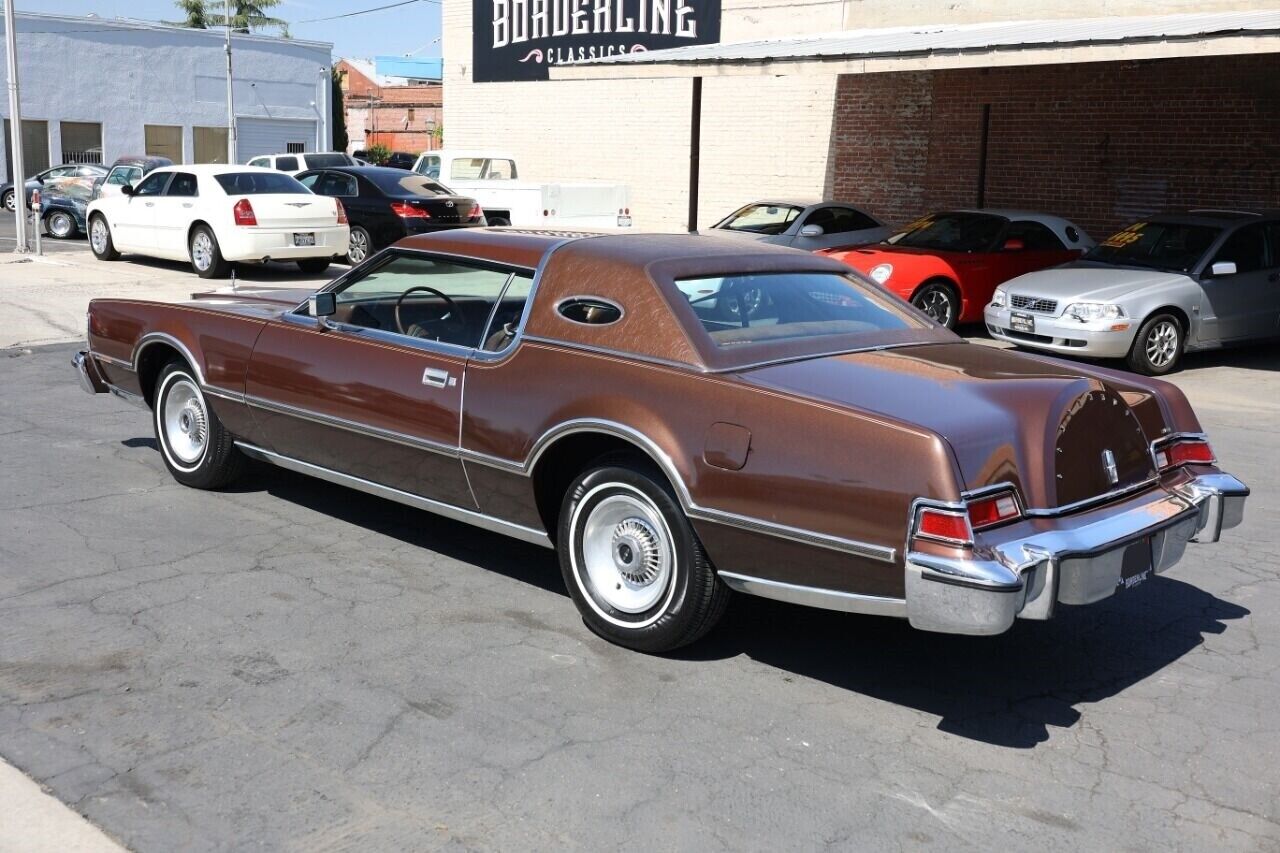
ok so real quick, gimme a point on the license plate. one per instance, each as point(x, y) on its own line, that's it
point(1021, 322)
point(624, 221)
point(1136, 566)
point(307, 239)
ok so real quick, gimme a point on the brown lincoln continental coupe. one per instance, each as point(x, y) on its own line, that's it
point(681, 416)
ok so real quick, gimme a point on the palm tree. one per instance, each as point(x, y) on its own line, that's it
point(245, 16)
point(197, 15)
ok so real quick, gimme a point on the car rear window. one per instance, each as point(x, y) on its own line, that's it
point(260, 183)
point(738, 310)
point(326, 161)
point(399, 183)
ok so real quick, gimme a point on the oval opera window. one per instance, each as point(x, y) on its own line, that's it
point(590, 310)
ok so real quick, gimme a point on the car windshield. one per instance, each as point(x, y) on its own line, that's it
point(398, 183)
point(260, 183)
point(762, 218)
point(326, 161)
point(952, 232)
point(1172, 246)
point(757, 308)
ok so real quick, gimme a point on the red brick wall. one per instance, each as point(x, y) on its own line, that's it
point(1099, 143)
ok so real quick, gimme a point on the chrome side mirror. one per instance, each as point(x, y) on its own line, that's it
point(1221, 268)
point(812, 231)
point(322, 305)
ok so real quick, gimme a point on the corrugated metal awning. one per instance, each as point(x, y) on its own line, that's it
point(955, 46)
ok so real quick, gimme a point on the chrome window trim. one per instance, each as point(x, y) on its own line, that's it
point(599, 350)
point(812, 596)
point(457, 513)
point(413, 441)
point(793, 358)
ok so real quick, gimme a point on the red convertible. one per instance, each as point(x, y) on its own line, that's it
point(682, 416)
point(949, 264)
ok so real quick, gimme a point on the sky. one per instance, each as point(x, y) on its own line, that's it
point(413, 28)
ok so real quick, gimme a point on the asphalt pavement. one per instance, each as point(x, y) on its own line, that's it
point(289, 665)
point(50, 246)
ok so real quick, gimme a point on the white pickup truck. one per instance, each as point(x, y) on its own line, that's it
point(492, 179)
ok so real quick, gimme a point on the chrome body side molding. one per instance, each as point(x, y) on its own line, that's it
point(456, 513)
point(812, 596)
point(350, 426)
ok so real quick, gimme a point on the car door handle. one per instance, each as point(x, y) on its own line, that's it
point(437, 378)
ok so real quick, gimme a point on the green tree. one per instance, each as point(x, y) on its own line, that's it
point(340, 139)
point(197, 15)
point(377, 154)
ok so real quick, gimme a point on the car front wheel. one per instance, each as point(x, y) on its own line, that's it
point(60, 224)
point(104, 248)
point(197, 449)
point(632, 562)
point(1157, 348)
point(939, 301)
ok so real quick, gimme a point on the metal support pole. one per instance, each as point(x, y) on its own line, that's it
point(231, 102)
point(695, 151)
point(19, 176)
point(36, 225)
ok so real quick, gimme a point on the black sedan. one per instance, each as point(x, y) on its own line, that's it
point(383, 205)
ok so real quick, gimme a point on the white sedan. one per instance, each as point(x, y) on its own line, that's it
point(216, 215)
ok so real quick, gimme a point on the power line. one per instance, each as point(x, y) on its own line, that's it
point(365, 11)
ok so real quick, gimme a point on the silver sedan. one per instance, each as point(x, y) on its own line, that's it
point(1149, 293)
point(808, 226)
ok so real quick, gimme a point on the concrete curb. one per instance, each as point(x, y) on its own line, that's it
point(33, 821)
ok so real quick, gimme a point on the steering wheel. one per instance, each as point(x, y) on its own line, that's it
point(452, 314)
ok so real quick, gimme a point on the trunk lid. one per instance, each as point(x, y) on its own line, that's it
point(1009, 418)
point(442, 209)
point(292, 210)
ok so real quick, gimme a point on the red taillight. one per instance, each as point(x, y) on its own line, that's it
point(407, 211)
point(342, 212)
point(476, 212)
point(996, 509)
point(943, 525)
point(243, 212)
point(1184, 451)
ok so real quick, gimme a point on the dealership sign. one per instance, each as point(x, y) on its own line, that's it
point(521, 39)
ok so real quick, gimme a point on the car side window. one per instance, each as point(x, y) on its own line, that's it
point(427, 298)
point(183, 184)
point(336, 184)
point(1035, 236)
point(152, 184)
point(122, 175)
point(309, 181)
point(431, 167)
point(505, 321)
point(1246, 248)
point(1272, 230)
point(287, 164)
point(840, 220)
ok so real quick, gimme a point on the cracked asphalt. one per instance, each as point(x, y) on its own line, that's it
point(293, 666)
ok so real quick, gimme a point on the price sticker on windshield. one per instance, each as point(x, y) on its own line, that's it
point(1120, 239)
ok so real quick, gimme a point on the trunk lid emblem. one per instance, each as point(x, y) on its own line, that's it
point(1109, 464)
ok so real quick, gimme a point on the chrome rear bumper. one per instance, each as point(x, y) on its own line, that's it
point(1080, 560)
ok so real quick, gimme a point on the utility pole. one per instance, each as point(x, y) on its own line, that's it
point(231, 100)
point(19, 176)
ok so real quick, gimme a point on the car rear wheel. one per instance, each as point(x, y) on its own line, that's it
point(100, 242)
point(197, 449)
point(1157, 348)
point(358, 248)
point(632, 562)
point(497, 220)
point(9, 200)
point(206, 257)
point(313, 266)
point(60, 224)
point(939, 301)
